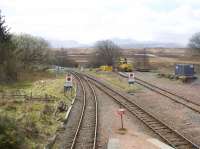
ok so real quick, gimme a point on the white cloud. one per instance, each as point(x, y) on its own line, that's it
point(90, 20)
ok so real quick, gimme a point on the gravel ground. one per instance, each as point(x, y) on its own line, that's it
point(176, 115)
point(188, 90)
point(183, 119)
point(109, 123)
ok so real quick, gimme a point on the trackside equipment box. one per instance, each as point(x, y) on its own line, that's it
point(184, 70)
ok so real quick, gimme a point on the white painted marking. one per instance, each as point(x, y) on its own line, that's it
point(161, 145)
point(113, 144)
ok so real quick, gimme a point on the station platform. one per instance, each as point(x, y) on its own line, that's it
point(150, 143)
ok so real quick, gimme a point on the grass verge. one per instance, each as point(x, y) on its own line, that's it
point(115, 81)
point(30, 124)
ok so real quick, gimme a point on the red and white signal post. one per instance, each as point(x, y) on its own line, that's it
point(68, 82)
point(121, 112)
point(131, 78)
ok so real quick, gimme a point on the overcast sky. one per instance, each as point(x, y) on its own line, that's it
point(89, 20)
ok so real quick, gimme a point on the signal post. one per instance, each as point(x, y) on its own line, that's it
point(68, 83)
point(131, 78)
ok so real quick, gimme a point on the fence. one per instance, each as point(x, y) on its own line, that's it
point(25, 97)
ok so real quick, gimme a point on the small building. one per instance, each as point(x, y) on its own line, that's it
point(184, 70)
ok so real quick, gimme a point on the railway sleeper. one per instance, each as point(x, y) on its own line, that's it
point(139, 110)
point(88, 131)
point(132, 108)
point(173, 137)
point(165, 131)
point(85, 139)
point(157, 125)
point(180, 143)
point(83, 146)
point(150, 122)
point(158, 128)
point(88, 125)
point(154, 124)
point(141, 114)
point(177, 141)
point(145, 119)
point(185, 147)
point(83, 143)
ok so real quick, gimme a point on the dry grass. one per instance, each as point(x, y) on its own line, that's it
point(36, 120)
point(115, 81)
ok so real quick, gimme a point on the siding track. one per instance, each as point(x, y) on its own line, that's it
point(170, 95)
point(168, 134)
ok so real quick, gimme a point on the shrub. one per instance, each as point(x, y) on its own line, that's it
point(10, 136)
point(30, 121)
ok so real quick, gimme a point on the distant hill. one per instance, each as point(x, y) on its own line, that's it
point(129, 43)
point(123, 43)
point(66, 44)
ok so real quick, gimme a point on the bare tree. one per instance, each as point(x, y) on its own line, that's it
point(61, 58)
point(106, 53)
point(30, 49)
point(194, 43)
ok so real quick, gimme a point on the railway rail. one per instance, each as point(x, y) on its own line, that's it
point(80, 128)
point(86, 132)
point(168, 134)
point(172, 96)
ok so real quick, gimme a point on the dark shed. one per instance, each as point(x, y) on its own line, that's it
point(184, 70)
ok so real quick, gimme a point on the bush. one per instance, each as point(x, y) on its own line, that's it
point(10, 136)
point(47, 110)
point(30, 125)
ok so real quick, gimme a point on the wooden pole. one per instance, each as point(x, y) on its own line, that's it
point(122, 124)
point(31, 95)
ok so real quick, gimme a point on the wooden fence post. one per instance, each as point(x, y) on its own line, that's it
point(2, 95)
point(46, 97)
point(31, 96)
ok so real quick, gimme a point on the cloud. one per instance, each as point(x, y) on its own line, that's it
point(90, 20)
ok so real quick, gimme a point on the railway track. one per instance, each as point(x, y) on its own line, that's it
point(168, 134)
point(80, 129)
point(86, 132)
point(172, 96)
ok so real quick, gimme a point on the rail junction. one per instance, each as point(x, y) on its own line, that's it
point(82, 129)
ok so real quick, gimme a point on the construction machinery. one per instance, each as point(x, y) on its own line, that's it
point(123, 65)
point(106, 68)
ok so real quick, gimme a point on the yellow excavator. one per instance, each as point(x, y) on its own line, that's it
point(123, 65)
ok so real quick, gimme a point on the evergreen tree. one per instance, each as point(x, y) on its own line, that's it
point(7, 58)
